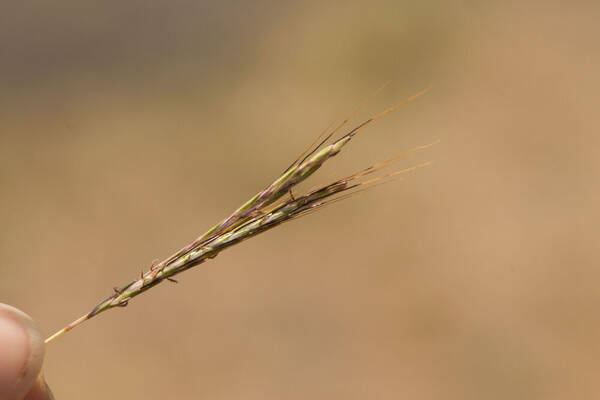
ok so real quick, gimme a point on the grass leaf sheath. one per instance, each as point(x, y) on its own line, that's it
point(267, 209)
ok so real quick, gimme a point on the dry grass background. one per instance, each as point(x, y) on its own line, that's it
point(127, 129)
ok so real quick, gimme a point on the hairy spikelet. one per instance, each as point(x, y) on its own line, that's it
point(267, 209)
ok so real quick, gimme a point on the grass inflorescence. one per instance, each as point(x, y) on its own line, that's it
point(267, 209)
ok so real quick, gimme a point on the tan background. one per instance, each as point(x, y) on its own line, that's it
point(127, 128)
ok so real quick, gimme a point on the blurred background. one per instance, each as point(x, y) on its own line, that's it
point(129, 128)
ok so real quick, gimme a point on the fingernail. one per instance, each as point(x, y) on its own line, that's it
point(49, 391)
point(40, 390)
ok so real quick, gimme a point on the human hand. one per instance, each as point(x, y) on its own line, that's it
point(21, 357)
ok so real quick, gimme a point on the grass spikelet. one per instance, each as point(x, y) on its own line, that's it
point(267, 209)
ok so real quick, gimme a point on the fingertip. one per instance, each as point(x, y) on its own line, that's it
point(21, 353)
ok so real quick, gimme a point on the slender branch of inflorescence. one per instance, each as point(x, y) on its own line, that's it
point(267, 209)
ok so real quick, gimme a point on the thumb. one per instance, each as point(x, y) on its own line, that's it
point(21, 357)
